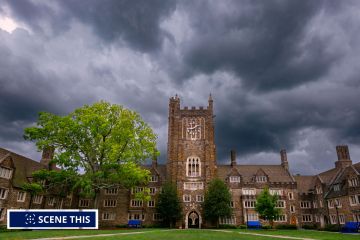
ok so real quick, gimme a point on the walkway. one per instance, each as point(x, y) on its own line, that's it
point(95, 235)
point(266, 235)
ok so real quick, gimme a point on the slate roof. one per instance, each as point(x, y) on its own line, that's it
point(160, 168)
point(305, 183)
point(328, 176)
point(23, 167)
point(275, 173)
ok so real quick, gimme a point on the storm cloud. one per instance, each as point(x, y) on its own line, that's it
point(283, 74)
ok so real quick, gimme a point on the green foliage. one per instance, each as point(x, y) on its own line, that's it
point(242, 227)
point(286, 226)
point(32, 188)
point(266, 205)
point(331, 228)
point(227, 226)
point(155, 225)
point(121, 226)
point(168, 204)
point(217, 201)
point(106, 142)
point(143, 195)
point(310, 226)
point(266, 227)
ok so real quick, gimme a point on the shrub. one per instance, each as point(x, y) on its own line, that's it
point(242, 227)
point(266, 227)
point(227, 226)
point(309, 226)
point(331, 228)
point(286, 226)
point(155, 225)
point(121, 226)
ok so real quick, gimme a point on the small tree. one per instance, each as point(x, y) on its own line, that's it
point(58, 182)
point(266, 206)
point(217, 201)
point(168, 204)
point(105, 142)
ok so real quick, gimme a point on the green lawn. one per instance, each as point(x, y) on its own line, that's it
point(162, 234)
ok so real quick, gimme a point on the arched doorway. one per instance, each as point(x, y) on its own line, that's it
point(193, 220)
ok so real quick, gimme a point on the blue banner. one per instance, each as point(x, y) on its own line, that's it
point(52, 219)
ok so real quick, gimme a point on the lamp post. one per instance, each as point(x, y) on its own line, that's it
point(247, 217)
point(337, 214)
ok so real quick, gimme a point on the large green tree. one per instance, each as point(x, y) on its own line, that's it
point(217, 201)
point(104, 142)
point(266, 206)
point(168, 204)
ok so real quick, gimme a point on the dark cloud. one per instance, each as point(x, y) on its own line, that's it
point(283, 74)
point(264, 42)
point(135, 22)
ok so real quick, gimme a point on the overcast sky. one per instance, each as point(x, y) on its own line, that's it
point(283, 74)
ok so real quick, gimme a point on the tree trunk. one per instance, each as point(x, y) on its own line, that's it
point(96, 200)
point(31, 199)
point(272, 223)
point(217, 223)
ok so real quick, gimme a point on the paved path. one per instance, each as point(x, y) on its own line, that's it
point(95, 235)
point(266, 235)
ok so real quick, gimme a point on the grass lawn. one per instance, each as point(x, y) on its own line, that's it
point(162, 234)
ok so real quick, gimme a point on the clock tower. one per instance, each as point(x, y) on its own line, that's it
point(191, 159)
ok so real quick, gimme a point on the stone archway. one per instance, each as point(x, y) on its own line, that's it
point(193, 219)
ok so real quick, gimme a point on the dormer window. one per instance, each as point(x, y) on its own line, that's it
point(154, 178)
point(5, 172)
point(193, 167)
point(234, 179)
point(353, 182)
point(261, 179)
point(319, 190)
point(337, 187)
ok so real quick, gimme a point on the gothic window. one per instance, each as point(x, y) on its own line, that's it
point(154, 178)
point(37, 199)
point(5, 173)
point(111, 191)
point(249, 191)
point(280, 218)
point(305, 204)
point(21, 196)
point(353, 182)
point(280, 204)
point(228, 220)
point(3, 193)
point(83, 202)
point(307, 218)
point(110, 203)
point(151, 203)
point(234, 179)
point(193, 167)
point(108, 216)
point(261, 179)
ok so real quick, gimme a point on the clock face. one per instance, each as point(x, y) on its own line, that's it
point(193, 129)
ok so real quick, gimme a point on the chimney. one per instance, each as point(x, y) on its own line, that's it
point(154, 161)
point(233, 158)
point(343, 157)
point(47, 156)
point(284, 161)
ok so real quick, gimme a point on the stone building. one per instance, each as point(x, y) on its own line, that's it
point(330, 197)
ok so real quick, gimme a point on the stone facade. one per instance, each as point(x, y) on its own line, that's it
point(330, 197)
